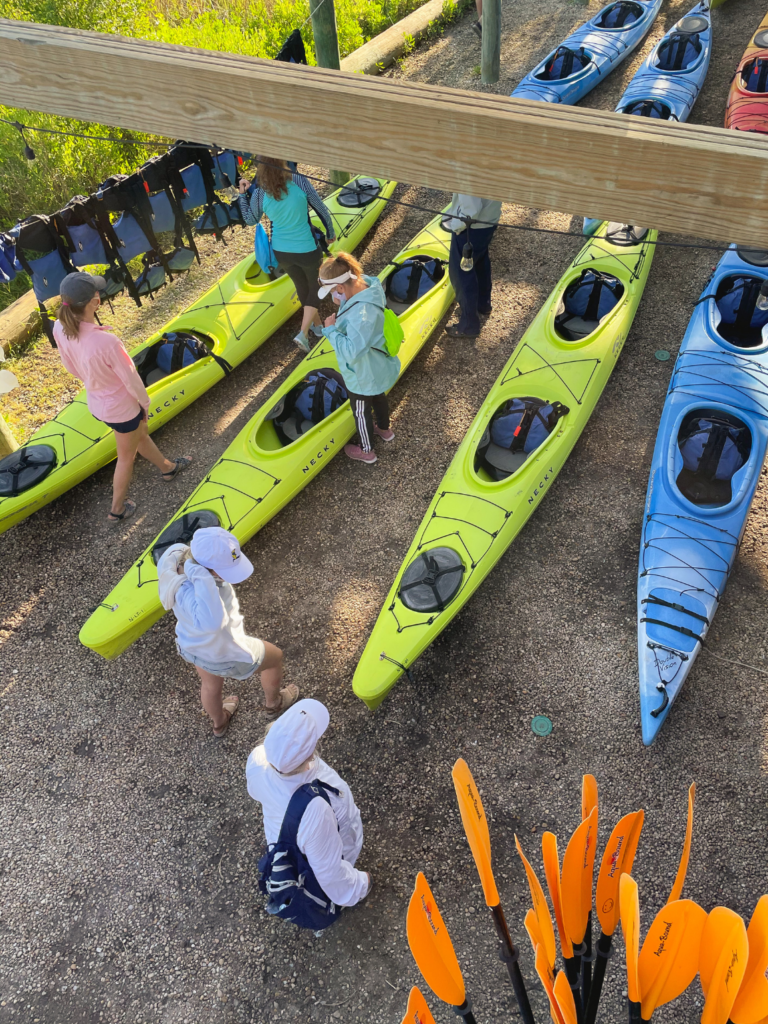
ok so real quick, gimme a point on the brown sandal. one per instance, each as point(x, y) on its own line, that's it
point(288, 695)
point(230, 705)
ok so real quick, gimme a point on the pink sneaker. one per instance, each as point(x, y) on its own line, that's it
point(354, 451)
point(385, 435)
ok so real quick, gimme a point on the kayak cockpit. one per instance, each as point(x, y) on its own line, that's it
point(620, 15)
point(410, 281)
point(713, 448)
point(681, 51)
point(754, 75)
point(563, 63)
point(517, 429)
point(586, 302)
point(649, 108)
point(171, 353)
point(736, 315)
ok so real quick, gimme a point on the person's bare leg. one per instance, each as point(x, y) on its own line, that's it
point(479, 6)
point(148, 449)
point(271, 670)
point(127, 446)
point(211, 690)
point(310, 316)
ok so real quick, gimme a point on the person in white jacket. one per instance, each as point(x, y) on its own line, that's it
point(330, 835)
point(472, 222)
point(196, 582)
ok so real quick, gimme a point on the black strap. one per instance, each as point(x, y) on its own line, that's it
point(677, 607)
point(593, 302)
point(417, 269)
point(678, 629)
point(749, 295)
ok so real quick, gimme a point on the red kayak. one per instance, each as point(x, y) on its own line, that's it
point(747, 107)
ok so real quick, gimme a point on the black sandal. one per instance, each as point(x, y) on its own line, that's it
point(180, 464)
point(129, 507)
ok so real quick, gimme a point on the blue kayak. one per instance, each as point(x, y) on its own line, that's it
point(589, 53)
point(669, 80)
point(706, 465)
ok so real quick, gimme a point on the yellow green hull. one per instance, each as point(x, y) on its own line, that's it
point(237, 315)
point(478, 517)
point(256, 476)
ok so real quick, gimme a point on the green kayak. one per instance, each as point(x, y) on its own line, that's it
point(514, 449)
point(222, 328)
point(261, 471)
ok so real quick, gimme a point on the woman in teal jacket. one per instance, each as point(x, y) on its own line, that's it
point(356, 333)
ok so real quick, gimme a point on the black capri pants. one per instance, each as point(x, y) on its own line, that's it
point(303, 268)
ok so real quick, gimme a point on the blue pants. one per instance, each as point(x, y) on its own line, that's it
point(472, 287)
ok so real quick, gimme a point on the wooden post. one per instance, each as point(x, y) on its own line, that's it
point(8, 442)
point(687, 178)
point(323, 15)
point(491, 56)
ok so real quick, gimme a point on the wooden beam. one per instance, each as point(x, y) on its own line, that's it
point(685, 178)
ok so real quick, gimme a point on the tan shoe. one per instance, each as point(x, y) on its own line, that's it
point(288, 695)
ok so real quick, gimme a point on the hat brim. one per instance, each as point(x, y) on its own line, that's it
point(100, 282)
point(236, 573)
point(325, 290)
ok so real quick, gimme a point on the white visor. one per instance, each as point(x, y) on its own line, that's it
point(331, 282)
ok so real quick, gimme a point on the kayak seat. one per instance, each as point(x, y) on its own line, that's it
point(563, 63)
point(24, 468)
point(585, 303)
point(432, 580)
point(649, 108)
point(754, 75)
point(620, 15)
point(624, 234)
point(737, 318)
point(181, 530)
point(516, 430)
point(308, 403)
point(714, 446)
point(678, 52)
point(412, 279)
point(174, 350)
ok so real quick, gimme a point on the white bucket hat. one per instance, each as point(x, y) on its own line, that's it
point(293, 737)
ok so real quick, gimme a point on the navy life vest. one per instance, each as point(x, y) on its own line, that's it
point(754, 75)
point(586, 301)
point(285, 875)
point(625, 12)
point(413, 278)
point(563, 63)
point(649, 108)
point(319, 394)
point(714, 446)
point(678, 52)
point(518, 428)
point(737, 303)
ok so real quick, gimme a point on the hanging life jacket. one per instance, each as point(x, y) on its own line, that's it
point(518, 428)
point(265, 254)
point(285, 874)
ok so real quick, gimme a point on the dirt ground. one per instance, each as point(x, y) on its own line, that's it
point(128, 881)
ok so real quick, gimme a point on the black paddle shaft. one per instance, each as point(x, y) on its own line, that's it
point(510, 954)
point(465, 1012)
point(586, 963)
point(574, 980)
point(602, 953)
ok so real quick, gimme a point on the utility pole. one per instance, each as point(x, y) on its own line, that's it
point(323, 15)
point(491, 54)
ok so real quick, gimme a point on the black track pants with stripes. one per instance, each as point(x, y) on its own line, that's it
point(363, 406)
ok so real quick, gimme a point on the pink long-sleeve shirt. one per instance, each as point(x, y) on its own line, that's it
point(113, 386)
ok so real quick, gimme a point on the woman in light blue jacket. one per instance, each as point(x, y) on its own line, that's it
point(356, 333)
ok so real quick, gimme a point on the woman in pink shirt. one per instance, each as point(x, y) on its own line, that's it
point(114, 389)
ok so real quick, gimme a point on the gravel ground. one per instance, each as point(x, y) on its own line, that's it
point(128, 887)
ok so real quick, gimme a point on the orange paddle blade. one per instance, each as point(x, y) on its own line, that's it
point(682, 869)
point(578, 868)
point(552, 873)
point(588, 796)
point(565, 1001)
point(432, 947)
point(475, 827)
point(752, 999)
point(617, 860)
point(532, 927)
point(418, 1012)
point(722, 963)
point(540, 908)
point(629, 904)
point(547, 977)
point(669, 959)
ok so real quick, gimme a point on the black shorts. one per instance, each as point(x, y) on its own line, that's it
point(129, 426)
point(303, 268)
